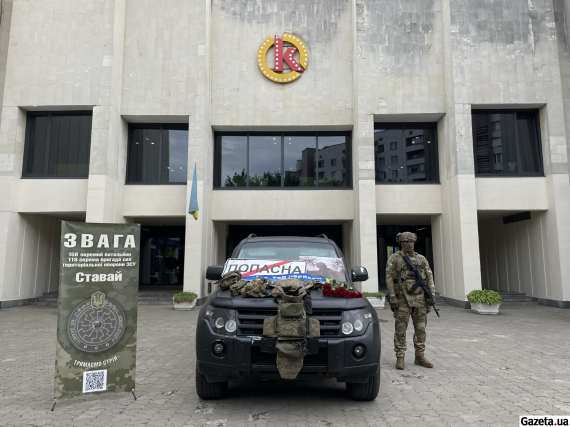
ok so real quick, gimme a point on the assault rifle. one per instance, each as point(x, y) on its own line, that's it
point(421, 281)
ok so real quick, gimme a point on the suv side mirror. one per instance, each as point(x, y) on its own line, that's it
point(214, 272)
point(359, 274)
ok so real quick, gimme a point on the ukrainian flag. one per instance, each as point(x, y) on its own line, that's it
point(193, 208)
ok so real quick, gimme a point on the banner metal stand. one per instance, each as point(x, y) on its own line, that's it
point(54, 403)
point(134, 394)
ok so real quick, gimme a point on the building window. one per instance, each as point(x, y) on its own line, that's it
point(381, 147)
point(506, 143)
point(382, 160)
point(57, 144)
point(157, 154)
point(280, 160)
point(415, 159)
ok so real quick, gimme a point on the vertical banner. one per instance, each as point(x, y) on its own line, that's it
point(97, 309)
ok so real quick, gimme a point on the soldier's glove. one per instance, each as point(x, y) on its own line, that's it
point(394, 302)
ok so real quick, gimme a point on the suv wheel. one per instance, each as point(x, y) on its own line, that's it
point(207, 390)
point(367, 391)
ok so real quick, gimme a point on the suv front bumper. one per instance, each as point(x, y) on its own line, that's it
point(250, 354)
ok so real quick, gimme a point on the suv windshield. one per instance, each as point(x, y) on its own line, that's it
point(287, 251)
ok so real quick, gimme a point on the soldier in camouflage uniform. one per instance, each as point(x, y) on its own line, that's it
point(407, 299)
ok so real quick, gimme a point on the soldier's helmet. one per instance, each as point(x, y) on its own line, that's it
point(406, 236)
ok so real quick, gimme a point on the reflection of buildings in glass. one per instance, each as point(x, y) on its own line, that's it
point(497, 143)
point(332, 163)
point(391, 159)
point(306, 166)
point(389, 163)
point(415, 155)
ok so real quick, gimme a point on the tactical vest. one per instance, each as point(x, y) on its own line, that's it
point(292, 326)
point(407, 278)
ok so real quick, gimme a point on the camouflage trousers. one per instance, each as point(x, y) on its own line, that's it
point(419, 318)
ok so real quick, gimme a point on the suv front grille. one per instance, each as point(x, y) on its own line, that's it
point(250, 321)
point(270, 359)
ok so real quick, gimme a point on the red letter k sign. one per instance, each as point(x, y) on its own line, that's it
point(287, 56)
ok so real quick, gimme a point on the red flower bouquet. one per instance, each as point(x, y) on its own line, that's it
point(340, 290)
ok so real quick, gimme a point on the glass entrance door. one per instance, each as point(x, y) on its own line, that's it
point(162, 256)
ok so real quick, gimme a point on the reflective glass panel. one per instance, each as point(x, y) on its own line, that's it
point(332, 154)
point(37, 145)
point(158, 154)
point(58, 144)
point(421, 155)
point(506, 143)
point(388, 171)
point(300, 161)
point(265, 161)
point(412, 156)
point(175, 156)
point(233, 151)
point(528, 147)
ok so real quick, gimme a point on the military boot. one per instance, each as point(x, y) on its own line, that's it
point(422, 361)
point(400, 363)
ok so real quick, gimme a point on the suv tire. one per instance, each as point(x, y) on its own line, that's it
point(207, 390)
point(364, 392)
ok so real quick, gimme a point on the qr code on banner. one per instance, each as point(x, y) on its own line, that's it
point(94, 381)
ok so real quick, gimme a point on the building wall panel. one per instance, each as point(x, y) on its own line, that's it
point(516, 194)
point(155, 200)
point(242, 96)
point(53, 195)
point(513, 256)
point(282, 205)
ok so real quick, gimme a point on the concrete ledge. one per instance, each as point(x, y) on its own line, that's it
point(458, 303)
point(554, 303)
point(16, 303)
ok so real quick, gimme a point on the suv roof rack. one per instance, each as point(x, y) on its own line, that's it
point(252, 235)
point(324, 236)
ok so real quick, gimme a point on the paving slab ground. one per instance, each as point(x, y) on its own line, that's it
point(488, 371)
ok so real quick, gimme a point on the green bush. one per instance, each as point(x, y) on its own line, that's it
point(185, 297)
point(373, 294)
point(486, 296)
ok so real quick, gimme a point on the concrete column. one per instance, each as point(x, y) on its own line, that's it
point(557, 245)
point(201, 236)
point(12, 134)
point(456, 238)
point(363, 241)
point(364, 227)
point(107, 163)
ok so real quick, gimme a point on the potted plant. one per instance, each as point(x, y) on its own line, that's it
point(377, 299)
point(184, 300)
point(485, 301)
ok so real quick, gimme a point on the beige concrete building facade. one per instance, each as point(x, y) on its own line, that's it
point(495, 210)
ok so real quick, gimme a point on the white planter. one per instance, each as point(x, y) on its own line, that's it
point(377, 302)
point(480, 308)
point(184, 305)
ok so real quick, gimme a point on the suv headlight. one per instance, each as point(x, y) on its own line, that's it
point(222, 320)
point(355, 322)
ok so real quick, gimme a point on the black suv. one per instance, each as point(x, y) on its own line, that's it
point(229, 334)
